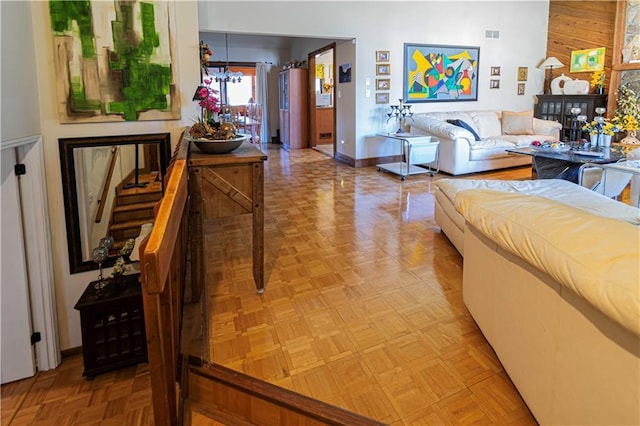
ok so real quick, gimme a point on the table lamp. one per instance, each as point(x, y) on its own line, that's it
point(549, 64)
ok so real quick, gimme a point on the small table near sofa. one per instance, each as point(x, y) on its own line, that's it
point(426, 151)
point(566, 165)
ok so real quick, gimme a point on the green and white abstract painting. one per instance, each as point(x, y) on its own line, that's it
point(114, 60)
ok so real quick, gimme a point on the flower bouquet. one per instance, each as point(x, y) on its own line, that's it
point(627, 115)
point(608, 127)
point(597, 81)
point(208, 133)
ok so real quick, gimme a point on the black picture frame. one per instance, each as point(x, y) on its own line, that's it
point(67, 148)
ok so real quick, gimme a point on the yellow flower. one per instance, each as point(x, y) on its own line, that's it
point(630, 122)
point(628, 111)
point(597, 79)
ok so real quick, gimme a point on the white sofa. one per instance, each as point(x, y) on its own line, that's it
point(556, 292)
point(461, 153)
point(452, 223)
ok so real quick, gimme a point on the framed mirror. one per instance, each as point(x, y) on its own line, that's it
point(111, 185)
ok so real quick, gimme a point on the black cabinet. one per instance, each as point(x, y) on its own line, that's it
point(558, 108)
point(113, 334)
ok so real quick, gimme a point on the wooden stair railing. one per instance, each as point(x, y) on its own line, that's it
point(163, 265)
point(220, 393)
point(107, 183)
point(163, 271)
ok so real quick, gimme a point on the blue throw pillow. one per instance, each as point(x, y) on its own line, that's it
point(464, 125)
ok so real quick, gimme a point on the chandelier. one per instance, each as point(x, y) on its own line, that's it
point(226, 75)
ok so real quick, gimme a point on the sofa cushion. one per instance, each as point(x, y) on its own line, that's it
point(487, 123)
point(464, 125)
point(556, 189)
point(517, 123)
point(525, 140)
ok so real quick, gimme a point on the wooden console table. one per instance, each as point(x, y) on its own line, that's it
point(223, 185)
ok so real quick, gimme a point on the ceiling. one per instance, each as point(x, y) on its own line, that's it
point(244, 40)
point(261, 41)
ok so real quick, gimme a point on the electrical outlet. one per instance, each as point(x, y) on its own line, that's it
point(367, 81)
point(367, 93)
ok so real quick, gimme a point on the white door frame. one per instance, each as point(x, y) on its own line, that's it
point(37, 239)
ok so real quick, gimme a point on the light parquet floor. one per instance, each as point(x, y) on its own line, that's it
point(362, 309)
point(363, 305)
point(63, 397)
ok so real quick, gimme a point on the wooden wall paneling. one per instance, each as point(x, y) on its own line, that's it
point(618, 67)
point(580, 25)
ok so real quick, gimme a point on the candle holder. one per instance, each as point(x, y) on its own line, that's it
point(575, 112)
point(582, 119)
point(400, 113)
point(599, 125)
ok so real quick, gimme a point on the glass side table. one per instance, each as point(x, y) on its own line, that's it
point(416, 149)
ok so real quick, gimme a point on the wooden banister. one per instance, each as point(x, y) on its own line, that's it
point(163, 273)
point(107, 183)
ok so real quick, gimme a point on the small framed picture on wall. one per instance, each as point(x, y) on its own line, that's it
point(495, 71)
point(520, 89)
point(382, 98)
point(383, 84)
point(522, 73)
point(382, 56)
point(494, 84)
point(383, 69)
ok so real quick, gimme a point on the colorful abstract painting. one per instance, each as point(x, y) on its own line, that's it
point(113, 60)
point(434, 73)
point(588, 60)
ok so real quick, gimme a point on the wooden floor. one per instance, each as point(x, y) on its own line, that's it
point(362, 309)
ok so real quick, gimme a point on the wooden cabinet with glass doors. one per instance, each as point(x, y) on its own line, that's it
point(293, 108)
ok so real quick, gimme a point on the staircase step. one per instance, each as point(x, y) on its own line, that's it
point(128, 212)
point(126, 225)
point(132, 207)
point(125, 230)
point(152, 192)
point(138, 197)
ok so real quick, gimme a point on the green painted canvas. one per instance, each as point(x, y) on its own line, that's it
point(113, 60)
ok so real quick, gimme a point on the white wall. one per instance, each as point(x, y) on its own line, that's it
point(70, 287)
point(386, 26)
point(20, 115)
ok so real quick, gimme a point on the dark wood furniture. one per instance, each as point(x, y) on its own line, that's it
point(113, 333)
point(558, 108)
point(293, 108)
point(565, 165)
point(226, 185)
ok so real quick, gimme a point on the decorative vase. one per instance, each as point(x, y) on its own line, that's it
point(631, 138)
point(605, 141)
point(595, 143)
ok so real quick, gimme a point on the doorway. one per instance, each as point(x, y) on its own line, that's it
point(322, 108)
